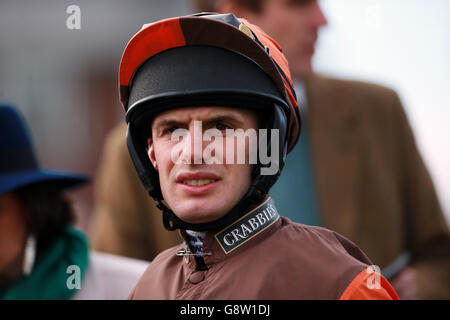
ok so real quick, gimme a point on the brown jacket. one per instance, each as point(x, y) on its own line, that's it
point(283, 260)
point(372, 185)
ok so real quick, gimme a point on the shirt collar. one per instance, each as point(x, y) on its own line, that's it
point(248, 230)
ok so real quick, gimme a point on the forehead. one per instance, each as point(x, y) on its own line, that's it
point(205, 113)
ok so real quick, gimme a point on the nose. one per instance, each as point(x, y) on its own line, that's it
point(317, 16)
point(192, 150)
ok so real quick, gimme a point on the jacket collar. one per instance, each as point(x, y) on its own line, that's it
point(247, 231)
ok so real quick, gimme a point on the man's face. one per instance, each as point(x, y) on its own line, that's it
point(199, 193)
point(294, 24)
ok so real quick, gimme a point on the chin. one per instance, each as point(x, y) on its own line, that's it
point(200, 211)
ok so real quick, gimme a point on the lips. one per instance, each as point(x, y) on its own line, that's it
point(197, 182)
point(309, 49)
point(186, 176)
point(200, 182)
point(309, 46)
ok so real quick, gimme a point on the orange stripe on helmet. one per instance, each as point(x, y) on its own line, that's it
point(275, 53)
point(150, 40)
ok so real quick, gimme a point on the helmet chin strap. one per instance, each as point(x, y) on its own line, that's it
point(253, 197)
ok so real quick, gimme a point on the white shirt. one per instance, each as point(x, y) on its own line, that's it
point(110, 277)
point(300, 91)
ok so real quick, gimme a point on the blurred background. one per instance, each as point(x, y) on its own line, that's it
point(65, 80)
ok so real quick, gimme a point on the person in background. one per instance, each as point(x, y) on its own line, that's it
point(125, 219)
point(42, 256)
point(356, 168)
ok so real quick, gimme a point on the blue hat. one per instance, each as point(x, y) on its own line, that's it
point(19, 166)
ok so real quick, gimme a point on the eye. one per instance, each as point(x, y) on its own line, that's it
point(222, 126)
point(170, 130)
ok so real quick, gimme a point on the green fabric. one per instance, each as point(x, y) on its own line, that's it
point(48, 279)
point(294, 192)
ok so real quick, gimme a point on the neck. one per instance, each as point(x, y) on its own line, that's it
point(172, 222)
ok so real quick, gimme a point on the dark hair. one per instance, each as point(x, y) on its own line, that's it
point(47, 212)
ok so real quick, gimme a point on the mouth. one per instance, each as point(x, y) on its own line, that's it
point(309, 49)
point(197, 183)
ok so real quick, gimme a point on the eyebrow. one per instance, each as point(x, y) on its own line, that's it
point(223, 118)
point(168, 122)
point(209, 121)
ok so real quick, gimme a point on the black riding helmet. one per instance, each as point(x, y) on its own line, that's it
point(205, 60)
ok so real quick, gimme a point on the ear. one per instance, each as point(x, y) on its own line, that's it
point(151, 153)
